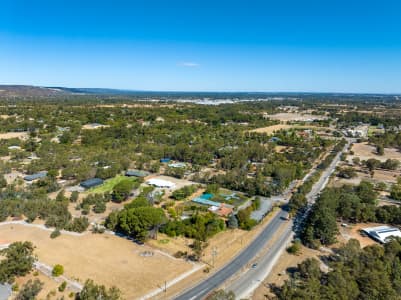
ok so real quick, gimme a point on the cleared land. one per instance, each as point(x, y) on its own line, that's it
point(296, 117)
point(13, 176)
point(278, 275)
point(274, 128)
point(353, 232)
point(13, 135)
point(96, 217)
point(50, 287)
point(365, 151)
point(107, 259)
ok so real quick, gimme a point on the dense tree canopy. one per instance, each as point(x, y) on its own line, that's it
point(355, 273)
point(18, 261)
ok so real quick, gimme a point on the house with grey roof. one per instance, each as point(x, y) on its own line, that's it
point(5, 291)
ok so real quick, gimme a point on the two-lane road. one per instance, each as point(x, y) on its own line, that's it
point(211, 283)
point(251, 278)
point(245, 284)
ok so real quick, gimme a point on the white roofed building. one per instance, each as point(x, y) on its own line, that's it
point(161, 183)
point(382, 234)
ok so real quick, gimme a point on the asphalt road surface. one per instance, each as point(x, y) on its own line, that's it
point(252, 277)
point(240, 262)
point(218, 278)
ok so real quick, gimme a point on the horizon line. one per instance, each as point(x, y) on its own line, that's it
point(207, 91)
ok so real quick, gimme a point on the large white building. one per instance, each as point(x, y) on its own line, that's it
point(382, 234)
point(160, 183)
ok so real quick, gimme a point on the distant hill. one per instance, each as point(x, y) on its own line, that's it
point(51, 91)
point(95, 91)
point(29, 91)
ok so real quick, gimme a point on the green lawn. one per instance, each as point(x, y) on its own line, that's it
point(371, 130)
point(109, 184)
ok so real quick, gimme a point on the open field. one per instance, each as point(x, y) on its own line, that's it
point(50, 286)
point(365, 151)
point(13, 176)
point(94, 217)
point(13, 135)
point(352, 232)
point(109, 184)
point(277, 127)
point(285, 117)
point(279, 148)
point(378, 176)
point(107, 259)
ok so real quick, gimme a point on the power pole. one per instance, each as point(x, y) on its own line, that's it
point(214, 254)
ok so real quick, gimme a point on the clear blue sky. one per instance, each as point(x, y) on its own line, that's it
point(280, 45)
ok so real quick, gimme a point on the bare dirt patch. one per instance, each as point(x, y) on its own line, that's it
point(277, 127)
point(95, 217)
point(365, 151)
point(279, 272)
point(386, 176)
point(13, 135)
point(279, 148)
point(353, 232)
point(107, 259)
point(378, 176)
point(295, 117)
point(13, 176)
point(50, 286)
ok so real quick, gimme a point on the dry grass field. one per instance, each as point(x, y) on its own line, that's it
point(352, 232)
point(278, 148)
point(285, 117)
point(94, 217)
point(105, 258)
point(13, 135)
point(277, 127)
point(50, 287)
point(378, 176)
point(279, 272)
point(13, 176)
point(365, 151)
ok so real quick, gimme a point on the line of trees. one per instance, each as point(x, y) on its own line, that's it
point(353, 204)
point(354, 274)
